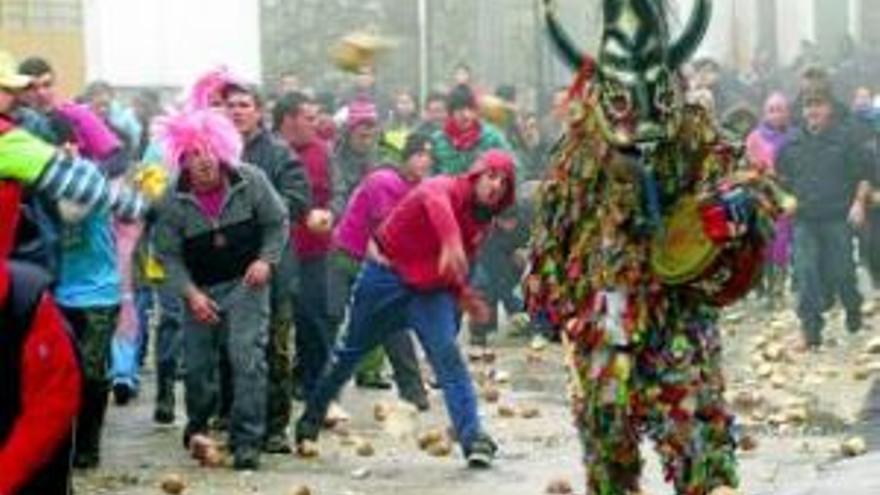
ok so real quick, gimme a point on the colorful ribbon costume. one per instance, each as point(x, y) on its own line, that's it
point(644, 349)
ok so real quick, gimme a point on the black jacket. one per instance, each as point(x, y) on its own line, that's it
point(823, 170)
point(283, 169)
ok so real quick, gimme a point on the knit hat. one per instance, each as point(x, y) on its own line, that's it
point(361, 111)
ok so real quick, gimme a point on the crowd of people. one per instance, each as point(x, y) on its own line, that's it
point(214, 232)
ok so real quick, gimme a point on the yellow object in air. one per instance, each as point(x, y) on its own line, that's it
point(152, 180)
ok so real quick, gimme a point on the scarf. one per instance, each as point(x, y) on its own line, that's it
point(463, 139)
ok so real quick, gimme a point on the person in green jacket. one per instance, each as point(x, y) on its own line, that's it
point(51, 171)
point(465, 136)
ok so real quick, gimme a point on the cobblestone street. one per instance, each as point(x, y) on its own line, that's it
point(797, 457)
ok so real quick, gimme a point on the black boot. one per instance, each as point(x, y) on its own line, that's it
point(87, 443)
point(164, 412)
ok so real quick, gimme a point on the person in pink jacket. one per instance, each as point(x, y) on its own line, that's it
point(762, 148)
point(370, 203)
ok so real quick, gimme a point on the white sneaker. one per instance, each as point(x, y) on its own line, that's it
point(335, 415)
point(539, 343)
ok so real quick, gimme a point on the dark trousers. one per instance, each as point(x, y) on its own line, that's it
point(160, 310)
point(243, 330)
point(824, 266)
point(314, 334)
point(382, 305)
point(279, 359)
point(93, 328)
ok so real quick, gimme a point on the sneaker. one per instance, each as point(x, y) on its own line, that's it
point(306, 431)
point(539, 343)
point(854, 322)
point(122, 394)
point(481, 452)
point(86, 460)
point(335, 415)
point(163, 416)
point(246, 459)
point(277, 444)
point(189, 432)
point(421, 402)
point(372, 383)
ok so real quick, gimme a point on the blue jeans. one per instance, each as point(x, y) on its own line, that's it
point(824, 264)
point(382, 304)
point(160, 309)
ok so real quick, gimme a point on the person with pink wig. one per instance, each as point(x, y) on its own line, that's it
point(221, 230)
point(207, 91)
point(762, 148)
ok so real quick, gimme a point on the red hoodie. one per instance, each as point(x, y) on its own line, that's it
point(50, 379)
point(440, 212)
point(316, 160)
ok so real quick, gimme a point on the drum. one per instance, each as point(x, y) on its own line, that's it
point(683, 256)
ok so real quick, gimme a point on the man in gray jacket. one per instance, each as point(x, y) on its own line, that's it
point(244, 105)
point(221, 231)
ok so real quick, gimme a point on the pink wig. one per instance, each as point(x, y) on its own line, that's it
point(205, 131)
point(207, 86)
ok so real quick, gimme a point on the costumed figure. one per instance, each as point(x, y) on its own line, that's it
point(646, 226)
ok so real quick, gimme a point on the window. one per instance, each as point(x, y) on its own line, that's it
point(41, 14)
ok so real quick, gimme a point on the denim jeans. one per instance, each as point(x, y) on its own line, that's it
point(398, 347)
point(382, 304)
point(160, 310)
point(824, 264)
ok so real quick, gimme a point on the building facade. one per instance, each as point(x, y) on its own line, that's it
point(52, 29)
point(784, 28)
point(167, 43)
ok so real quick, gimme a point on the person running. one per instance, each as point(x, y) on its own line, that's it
point(416, 276)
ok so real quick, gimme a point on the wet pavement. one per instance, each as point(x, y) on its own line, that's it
point(799, 457)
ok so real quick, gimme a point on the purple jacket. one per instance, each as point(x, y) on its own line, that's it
point(95, 140)
point(370, 204)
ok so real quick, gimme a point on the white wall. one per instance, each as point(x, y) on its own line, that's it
point(169, 42)
point(795, 22)
point(732, 36)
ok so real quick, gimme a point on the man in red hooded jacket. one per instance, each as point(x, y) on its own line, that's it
point(40, 381)
point(416, 276)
